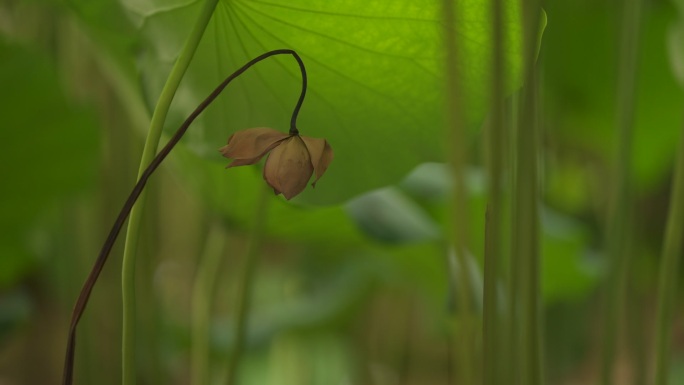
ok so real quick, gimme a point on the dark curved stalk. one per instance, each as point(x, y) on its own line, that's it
point(87, 288)
point(295, 112)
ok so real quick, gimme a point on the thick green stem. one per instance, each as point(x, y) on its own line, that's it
point(493, 225)
point(512, 272)
point(669, 270)
point(621, 213)
point(202, 301)
point(245, 284)
point(464, 337)
point(134, 222)
point(526, 211)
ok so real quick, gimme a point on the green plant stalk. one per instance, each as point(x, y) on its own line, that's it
point(637, 334)
point(491, 368)
point(134, 223)
point(526, 234)
point(202, 300)
point(512, 271)
point(526, 226)
point(669, 270)
point(455, 107)
point(245, 284)
point(621, 212)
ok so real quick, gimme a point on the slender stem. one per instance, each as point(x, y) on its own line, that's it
point(87, 288)
point(128, 342)
point(526, 226)
point(640, 356)
point(466, 328)
point(493, 225)
point(202, 301)
point(621, 213)
point(245, 286)
point(295, 112)
point(515, 266)
point(669, 270)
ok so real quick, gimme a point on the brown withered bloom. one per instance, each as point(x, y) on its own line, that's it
point(291, 163)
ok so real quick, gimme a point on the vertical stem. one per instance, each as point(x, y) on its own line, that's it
point(669, 270)
point(491, 336)
point(202, 301)
point(620, 215)
point(637, 333)
point(459, 212)
point(245, 286)
point(149, 151)
point(513, 337)
point(526, 226)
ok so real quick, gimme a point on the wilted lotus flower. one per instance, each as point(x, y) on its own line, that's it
point(292, 161)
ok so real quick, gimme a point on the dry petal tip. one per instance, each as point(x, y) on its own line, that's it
point(252, 143)
point(223, 151)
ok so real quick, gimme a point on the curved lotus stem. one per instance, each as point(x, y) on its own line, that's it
point(87, 288)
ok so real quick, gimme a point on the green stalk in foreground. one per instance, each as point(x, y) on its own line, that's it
point(465, 327)
point(621, 211)
point(526, 251)
point(491, 334)
point(133, 231)
point(669, 270)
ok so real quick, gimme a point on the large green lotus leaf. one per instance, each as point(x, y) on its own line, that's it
point(376, 77)
point(47, 151)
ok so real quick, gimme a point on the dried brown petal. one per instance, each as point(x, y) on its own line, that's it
point(288, 167)
point(249, 146)
point(321, 155)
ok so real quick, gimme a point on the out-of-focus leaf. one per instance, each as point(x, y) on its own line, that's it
point(113, 35)
point(566, 272)
point(375, 77)
point(323, 358)
point(580, 79)
point(47, 149)
point(332, 305)
point(294, 358)
point(15, 308)
point(388, 215)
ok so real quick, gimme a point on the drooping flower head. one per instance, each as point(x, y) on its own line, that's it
point(293, 158)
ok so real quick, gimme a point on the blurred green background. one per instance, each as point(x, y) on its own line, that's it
point(354, 279)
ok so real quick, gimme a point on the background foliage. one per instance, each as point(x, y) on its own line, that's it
point(355, 276)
